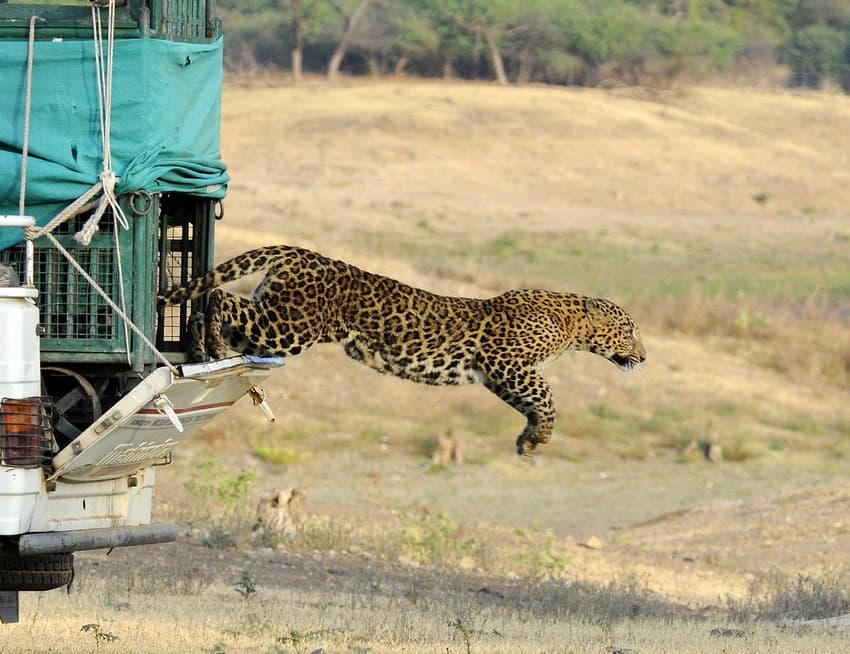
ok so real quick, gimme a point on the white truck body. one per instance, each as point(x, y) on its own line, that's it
point(105, 477)
point(97, 491)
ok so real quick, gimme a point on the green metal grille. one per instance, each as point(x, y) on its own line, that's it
point(174, 20)
point(184, 20)
point(73, 316)
point(71, 308)
point(185, 247)
point(166, 246)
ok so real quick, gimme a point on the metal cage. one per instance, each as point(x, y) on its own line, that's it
point(164, 247)
point(174, 20)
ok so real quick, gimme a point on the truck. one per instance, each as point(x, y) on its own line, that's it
point(113, 183)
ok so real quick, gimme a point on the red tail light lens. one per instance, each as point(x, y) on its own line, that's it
point(20, 431)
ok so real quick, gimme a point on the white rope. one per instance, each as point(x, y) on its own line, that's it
point(121, 287)
point(106, 185)
point(78, 206)
point(29, 273)
point(108, 178)
point(159, 355)
point(27, 110)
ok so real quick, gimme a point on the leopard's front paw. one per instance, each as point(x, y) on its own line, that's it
point(527, 443)
point(196, 348)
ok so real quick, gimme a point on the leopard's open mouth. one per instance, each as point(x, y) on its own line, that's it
point(623, 362)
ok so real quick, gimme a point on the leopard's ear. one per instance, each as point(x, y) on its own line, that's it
point(596, 312)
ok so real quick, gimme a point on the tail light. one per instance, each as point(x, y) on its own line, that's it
point(22, 433)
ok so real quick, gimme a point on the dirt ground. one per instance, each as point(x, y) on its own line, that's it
point(697, 557)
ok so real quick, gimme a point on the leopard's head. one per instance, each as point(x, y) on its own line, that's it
point(613, 334)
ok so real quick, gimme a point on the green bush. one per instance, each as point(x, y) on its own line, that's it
point(817, 53)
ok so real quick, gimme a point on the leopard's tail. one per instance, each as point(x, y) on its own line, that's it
point(239, 266)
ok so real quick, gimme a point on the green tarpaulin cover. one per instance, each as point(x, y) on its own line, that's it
point(166, 115)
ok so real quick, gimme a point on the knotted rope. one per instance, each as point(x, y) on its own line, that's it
point(104, 187)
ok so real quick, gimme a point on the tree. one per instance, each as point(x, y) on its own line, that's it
point(351, 14)
point(816, 53)
point(393, 33)
point(484, 19)
point(450, 39)
point(297, 40)
point(417, 38)
point(534, 39)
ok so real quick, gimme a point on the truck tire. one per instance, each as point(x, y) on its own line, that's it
point(42, 572)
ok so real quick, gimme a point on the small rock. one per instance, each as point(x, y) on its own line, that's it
point(466, 563)
point(593, 543)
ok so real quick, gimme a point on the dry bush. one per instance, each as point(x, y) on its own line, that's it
point(805, 598)
point(611, 602)
point(811, 349)
point(808, 341)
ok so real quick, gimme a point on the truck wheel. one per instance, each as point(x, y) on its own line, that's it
point(42, 572)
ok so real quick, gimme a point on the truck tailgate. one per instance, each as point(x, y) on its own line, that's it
point(156, 415)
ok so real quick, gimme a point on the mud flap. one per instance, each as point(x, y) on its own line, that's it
point(156, 415)
point(9, 606)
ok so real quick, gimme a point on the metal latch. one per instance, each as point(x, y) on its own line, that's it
point(258, 395)
point(166, 408)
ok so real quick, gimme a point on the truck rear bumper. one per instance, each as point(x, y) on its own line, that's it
point(65, 542)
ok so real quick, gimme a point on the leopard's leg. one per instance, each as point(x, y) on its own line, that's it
point(256, 327)
point(361, 351)
point(195, 333)
point(526, 391)
point(221, 309)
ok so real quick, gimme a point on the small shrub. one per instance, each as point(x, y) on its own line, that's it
point(463, 630)
point(271, 451)
point(212, 480)
point(246, 586)
point(742, 448)
point(100, 636)
point(223, 496)
point(432, 538)
point(546, 563)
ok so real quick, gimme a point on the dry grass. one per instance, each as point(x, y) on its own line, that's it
point(416, 618)
point(805, 340)
point(804, 598)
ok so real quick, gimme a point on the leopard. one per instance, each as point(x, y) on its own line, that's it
point(502, 342)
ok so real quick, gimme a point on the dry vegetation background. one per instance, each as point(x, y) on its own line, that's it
point(717, 217)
